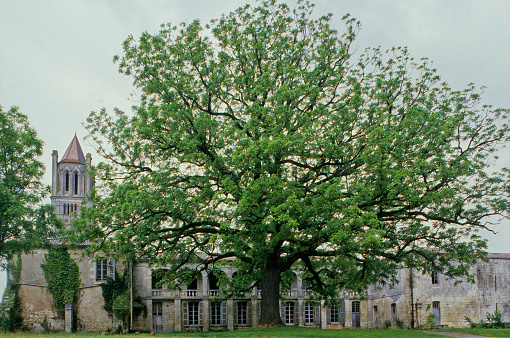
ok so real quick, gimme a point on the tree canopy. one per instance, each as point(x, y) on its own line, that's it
point(261, 141)
point(24, 223)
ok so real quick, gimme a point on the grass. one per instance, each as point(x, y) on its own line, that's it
point(298, 332)
point(480, 332)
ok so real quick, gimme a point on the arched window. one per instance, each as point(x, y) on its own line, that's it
point(66, 182)
point(75, 183)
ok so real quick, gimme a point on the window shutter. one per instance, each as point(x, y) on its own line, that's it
point(282, 311)
point(201, 314)
point(224, 313)
point(248, 313)
point(98, 270)
point(296, 312)
point(317, 314)
point(328, 315)
point(235, 313)
point(185, 313)
point(210, 312)
point(342, 313)
point(111, 268)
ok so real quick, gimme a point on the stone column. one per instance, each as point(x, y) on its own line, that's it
point(324, 317)
point(348, 314)
point(54, 171)
point(254, 311)
point(230, 314)
point(301, 302)
point(68, 317)
point(206, 315)
point(88, 180)
point(178, 319)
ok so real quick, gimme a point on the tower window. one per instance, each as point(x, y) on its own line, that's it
point(66, 182)
point(76, 183)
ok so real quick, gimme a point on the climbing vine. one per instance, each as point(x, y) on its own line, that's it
point(115, 295)
point(10, 314)
point(63, 277)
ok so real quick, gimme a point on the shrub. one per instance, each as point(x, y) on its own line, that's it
point(46, 326)
point(493, 321)
point(387, 324)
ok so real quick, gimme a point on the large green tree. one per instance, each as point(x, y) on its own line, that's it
point(24, 222)
point(261, 142)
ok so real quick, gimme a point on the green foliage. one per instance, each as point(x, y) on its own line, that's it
point(10, 313)
point(270, 148)
point(493, 321)
point(399, 323)
point(431, 319)
point(24, 224)
point(46, 325)
point(63, 277)
point(116, 297)
point(121, 306)
point(387, 324)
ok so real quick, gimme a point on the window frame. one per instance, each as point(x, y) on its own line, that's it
point(101, 270)
point(435, 278)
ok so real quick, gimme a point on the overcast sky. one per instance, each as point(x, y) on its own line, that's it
point(56, 56)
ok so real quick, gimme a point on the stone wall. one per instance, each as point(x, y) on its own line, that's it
point(455, 298)
point(37, 302)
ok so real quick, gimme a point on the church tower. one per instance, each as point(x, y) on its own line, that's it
point(70, 180)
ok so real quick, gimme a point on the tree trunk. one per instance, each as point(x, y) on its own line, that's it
point(270, 305)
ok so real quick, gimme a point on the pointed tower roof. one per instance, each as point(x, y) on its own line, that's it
point(73, 154)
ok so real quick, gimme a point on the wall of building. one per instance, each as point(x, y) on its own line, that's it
point(491, 292)
point(456, 298)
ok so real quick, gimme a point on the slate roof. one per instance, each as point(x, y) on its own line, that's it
point(73, 154)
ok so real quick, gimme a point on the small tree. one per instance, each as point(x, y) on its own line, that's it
point(258, 142)
point(24, 224)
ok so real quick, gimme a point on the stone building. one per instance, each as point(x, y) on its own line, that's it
point(195, 308)
point(71, 185)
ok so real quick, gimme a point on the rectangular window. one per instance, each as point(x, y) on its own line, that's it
point(308, 314)
point(242, 313)
point(156, 279)
point(435, 278)
point(215, 313)
point(101, 270)
point(356, 320)
point(334, 313)
point(193, 314)
point(394, 311)
point(289, 313)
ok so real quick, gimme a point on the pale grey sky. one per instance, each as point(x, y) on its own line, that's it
point(56, 56)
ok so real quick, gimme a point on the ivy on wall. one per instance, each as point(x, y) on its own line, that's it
point(63, 277)
point(10, 312)
point(116, 297)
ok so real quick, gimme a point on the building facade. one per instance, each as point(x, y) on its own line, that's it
point(196, 307)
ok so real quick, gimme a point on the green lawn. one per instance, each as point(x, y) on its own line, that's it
point(257, 332)
point(299, 332)
point(481, 332)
